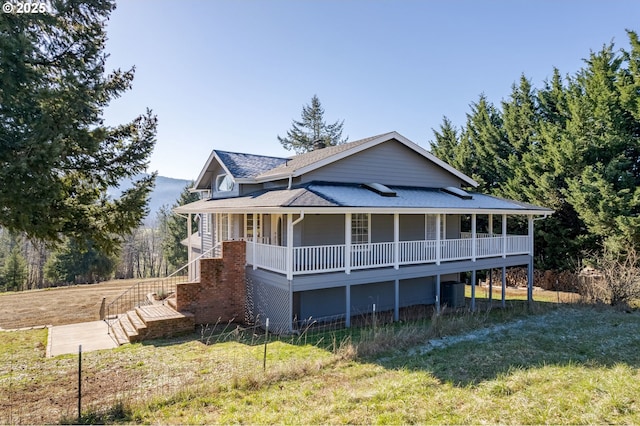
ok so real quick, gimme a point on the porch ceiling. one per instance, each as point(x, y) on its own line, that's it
point(318, 197)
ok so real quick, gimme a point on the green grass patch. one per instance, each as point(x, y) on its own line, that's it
point(566, 365)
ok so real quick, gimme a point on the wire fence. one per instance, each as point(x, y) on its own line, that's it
point(101, 384)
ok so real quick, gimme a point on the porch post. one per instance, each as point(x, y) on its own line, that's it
point(289, 246)
point(396, 240)
point(504, 286)
point(530, 266)
point(438, 243)
point(438, 294)
point(347, 319)
point(473, 237)
point(396, 310)
point(255, 238)
point(490, 288)
point(190, 270)
point(504, 236)
point(347, 243)
point(490, 225)
point(473, 290)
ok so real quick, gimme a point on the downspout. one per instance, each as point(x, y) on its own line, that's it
point(289, 186)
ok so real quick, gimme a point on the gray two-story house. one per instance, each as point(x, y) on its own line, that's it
point(379, 223)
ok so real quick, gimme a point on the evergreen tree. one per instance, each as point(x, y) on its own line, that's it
point(446, 143)
point(312, 131)
point(176, 230)
point(605, 190)
point(14, 273)
point(483, 149)
point(57, 158)
point(78, 262)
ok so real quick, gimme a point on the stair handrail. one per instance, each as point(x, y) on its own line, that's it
point(133, 293)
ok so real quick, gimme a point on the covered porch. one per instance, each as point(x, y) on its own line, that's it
point(423, 246)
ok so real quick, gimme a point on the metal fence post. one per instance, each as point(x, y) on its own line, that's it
point(266, 339)
point(80, 384)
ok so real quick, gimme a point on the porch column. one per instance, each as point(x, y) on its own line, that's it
point(504, 286)
point(504, 236)
point(490, 288)
point(190, 269)
point(490, 225)
point(396, 240)
point(396, 310)
point(289, 246)
point(530, 266)
point(347, 243)
point(438, 243)
point(255, 238)
point(473, 290)
point(473, 237)
point(438, 294)
point(347, 319)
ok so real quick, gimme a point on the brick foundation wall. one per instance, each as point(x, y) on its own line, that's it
point(221, 293)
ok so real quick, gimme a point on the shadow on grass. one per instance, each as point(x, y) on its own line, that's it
point(489, 345)
point(461, 347)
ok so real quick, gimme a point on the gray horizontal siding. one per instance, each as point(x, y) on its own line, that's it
point(389, 163)
point(322, 229)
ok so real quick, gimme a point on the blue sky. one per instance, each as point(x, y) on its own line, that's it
point(232, 75)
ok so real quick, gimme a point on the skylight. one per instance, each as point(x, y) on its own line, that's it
point(379, 189)
point(457, 192)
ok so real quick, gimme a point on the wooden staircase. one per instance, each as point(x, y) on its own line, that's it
point(151, 322)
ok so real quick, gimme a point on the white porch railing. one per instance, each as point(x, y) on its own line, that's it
point(273, 258)
point(331, 258)
point(318, 259)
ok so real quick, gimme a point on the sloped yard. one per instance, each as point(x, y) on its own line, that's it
point(559, 364)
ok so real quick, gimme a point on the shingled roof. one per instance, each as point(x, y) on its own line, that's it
point(248, 165)
point(317, 196)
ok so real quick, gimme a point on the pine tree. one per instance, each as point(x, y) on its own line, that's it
point(605, 190)
point(14, 273)
point(57, 157)
point(446, 142)
point(483, 149)
point(312, 131)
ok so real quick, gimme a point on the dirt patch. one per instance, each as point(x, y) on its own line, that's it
point(58, 306)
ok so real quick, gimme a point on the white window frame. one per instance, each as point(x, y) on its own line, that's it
point(249, 227)
point(360, 228)
point(220, 179)
point(430, 226)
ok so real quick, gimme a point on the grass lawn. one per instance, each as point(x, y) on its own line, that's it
point(561, 364)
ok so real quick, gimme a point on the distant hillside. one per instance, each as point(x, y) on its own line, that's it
point(166, 192)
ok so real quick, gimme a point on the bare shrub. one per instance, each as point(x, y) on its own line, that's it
point(614, 281)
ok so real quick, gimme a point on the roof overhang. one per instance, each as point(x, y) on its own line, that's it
point(191, 209)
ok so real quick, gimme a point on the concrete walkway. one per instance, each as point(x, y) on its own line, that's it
point(65, 339)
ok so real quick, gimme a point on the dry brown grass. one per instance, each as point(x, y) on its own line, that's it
point(58, 306)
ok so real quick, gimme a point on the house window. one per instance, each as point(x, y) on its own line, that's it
point(360, 228)
point(430, 233)
point(223, 226)
point(224, 183)
point(249, 232)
